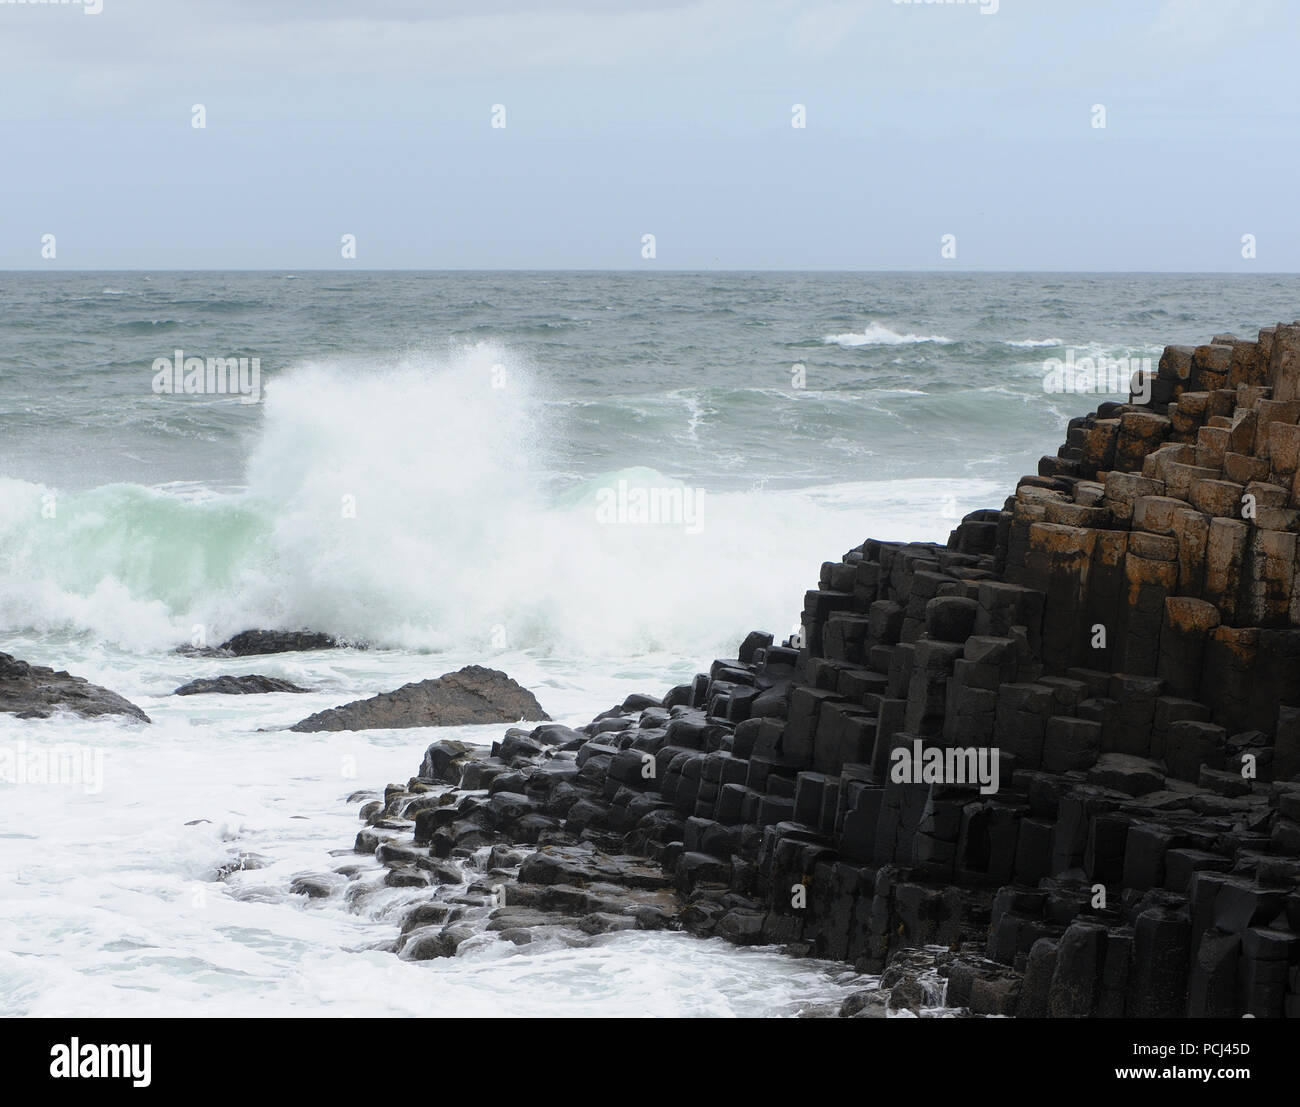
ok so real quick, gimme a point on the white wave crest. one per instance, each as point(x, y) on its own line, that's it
point(402, 505)
point(877, 335)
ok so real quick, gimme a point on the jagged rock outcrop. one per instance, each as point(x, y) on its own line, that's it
point(35, 692)
point(1066, 744)
point(468, 696)
point(252, 684)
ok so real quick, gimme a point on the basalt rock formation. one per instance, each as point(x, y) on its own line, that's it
point(1121, 640)
point(35, 692)
point(468, 696)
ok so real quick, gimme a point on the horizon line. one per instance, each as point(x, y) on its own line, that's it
point(47, 270)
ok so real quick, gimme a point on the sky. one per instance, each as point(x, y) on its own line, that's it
point(670, 118)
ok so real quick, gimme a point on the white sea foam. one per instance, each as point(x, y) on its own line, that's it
point(400, 506)
point(876, 334)
point(111, 904)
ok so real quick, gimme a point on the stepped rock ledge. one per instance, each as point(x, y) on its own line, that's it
point(1121, 639)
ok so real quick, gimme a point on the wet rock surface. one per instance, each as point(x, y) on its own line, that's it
point(252, 684)
point(468, 696)
point(35, 692)
point(250, 642)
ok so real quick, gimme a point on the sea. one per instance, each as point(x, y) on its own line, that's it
point(597, 482)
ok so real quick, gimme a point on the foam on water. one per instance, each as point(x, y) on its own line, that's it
point(876, 334)
point(112, 901)
point(404, 505)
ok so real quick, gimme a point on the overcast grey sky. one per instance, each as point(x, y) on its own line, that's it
point(664, 117)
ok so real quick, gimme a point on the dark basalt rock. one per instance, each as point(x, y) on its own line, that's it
point(468, 696)
point(35, 692)
point(237, 686)
point(1138, 852)
point(249, 642)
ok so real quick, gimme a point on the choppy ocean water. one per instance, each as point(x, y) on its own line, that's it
point(430, 468)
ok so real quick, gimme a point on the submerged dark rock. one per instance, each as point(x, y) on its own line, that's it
point(35, 692)
point(249, 642)
point(468, 696)
point(237, 686)
point(188, 650)
point(316, 885)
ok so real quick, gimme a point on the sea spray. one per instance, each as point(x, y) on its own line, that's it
point(407, 505)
